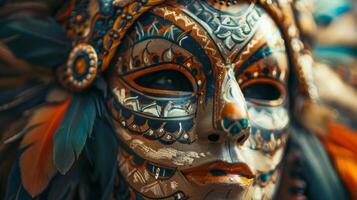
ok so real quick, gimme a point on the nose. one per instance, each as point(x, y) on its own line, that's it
point(227, 110)
point(235, 122)
point(233, 113)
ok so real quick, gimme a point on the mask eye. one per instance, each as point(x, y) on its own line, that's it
point(264, 93)
point(165, 80)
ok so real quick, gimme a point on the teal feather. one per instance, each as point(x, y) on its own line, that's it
point(74, 131)
point(323, 181)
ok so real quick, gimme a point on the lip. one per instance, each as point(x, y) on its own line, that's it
point(221, 173)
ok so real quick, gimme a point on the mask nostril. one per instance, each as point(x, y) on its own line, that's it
point(213, 137)
point(243, 136)
point(241, 139)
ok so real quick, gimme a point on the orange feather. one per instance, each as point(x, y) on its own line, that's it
point(343, 136)
point(341, 144)
point(36, 162)
point(347, 169)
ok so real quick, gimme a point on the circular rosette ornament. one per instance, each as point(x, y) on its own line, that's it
point(81, 68)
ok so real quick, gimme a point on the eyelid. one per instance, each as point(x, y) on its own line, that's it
point(129, 78)
point(280, 86)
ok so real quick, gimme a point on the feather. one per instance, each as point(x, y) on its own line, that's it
point(63, 186)
point(19, 135)
point(45, 39)
point(76, 127)
point(15, 190)
point(15, 126)
point(317, 165)
point(341, 144)
point(10, 99)
point(343, 136)
point(346, 166)
point(103, 148)
point(36, 162)
point(8, 159)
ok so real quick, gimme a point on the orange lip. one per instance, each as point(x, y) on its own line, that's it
point(221, 173)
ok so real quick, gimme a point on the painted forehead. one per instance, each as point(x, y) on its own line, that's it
point(201, 37)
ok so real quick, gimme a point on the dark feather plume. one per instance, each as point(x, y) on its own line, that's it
point(103, 148)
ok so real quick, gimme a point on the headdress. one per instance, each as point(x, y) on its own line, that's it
point(97, 28)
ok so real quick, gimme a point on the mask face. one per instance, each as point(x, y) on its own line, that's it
point(200, 102)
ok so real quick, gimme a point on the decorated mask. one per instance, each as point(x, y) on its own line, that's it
point(200, 101)
point(200, 94)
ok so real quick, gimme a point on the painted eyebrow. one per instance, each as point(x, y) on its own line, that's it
point(263, 52)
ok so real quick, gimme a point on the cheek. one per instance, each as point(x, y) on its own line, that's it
point(269, 118)
point(268, 138)
point(269, 128)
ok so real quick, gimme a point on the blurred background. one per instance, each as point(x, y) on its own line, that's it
point(333, 39)
point(329, 27)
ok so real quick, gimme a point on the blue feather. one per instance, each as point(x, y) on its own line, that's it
point(74, 130)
